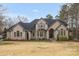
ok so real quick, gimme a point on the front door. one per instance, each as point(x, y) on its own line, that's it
point(51, 33)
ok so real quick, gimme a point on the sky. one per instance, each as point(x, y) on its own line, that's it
point(32, 10)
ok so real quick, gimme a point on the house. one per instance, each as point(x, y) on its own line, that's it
point(38, 29)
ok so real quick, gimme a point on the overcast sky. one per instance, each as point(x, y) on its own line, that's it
point(32, 10)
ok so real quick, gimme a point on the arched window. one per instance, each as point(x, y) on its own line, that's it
point(18, 34)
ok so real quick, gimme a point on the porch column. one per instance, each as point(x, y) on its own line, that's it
point(26, 35)
point(29, 35)
point(39, 34)
point(36, 35)
point(47, 34)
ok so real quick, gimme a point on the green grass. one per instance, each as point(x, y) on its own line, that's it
point(36, 48)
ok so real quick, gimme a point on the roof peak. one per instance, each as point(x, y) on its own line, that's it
point(20, 22)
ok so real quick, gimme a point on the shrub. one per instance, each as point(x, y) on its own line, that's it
point(63, 38)
point(71, 37)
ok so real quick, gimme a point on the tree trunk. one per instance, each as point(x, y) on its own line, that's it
point(76, 28)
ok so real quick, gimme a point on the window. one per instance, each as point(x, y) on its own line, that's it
point(18, 34)
point(62, 32)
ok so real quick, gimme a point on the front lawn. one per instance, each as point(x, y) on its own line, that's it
point(29, 48)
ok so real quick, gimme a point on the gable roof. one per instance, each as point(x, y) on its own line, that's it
point(25, 26)
point(49, 22)
point(31, 26)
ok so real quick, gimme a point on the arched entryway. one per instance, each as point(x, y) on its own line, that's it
point(51, 33)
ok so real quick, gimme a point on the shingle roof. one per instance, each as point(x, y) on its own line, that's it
point(31, 26)
point(49, 22)
point(26, 26)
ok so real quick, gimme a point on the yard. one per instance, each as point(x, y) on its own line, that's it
point(29, 48)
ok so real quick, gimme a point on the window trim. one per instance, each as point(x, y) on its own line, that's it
point(18, 34)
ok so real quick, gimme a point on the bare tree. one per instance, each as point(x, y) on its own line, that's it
point(2, 17)
point(9, 22)
point(21, 18)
